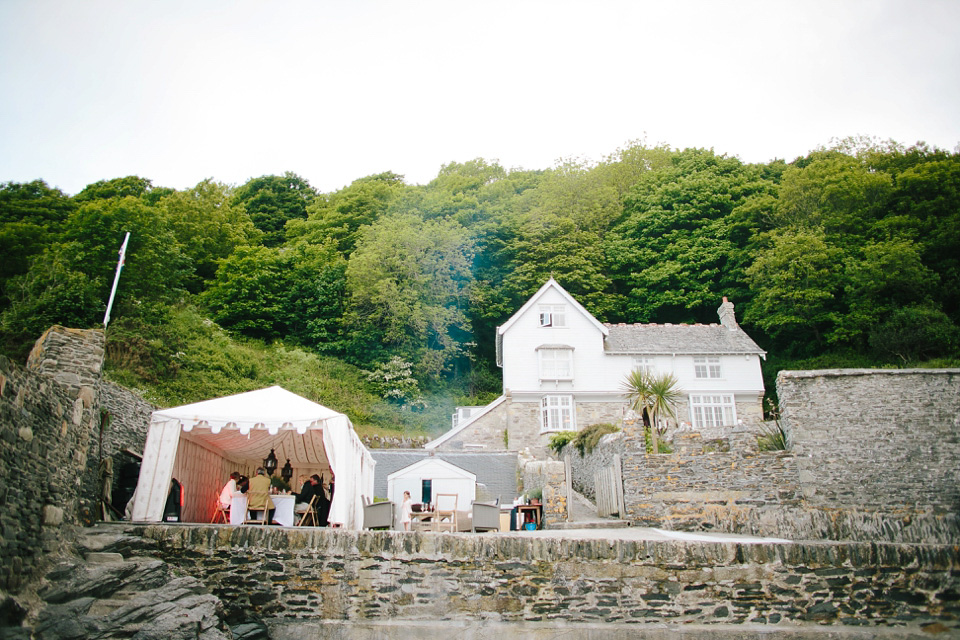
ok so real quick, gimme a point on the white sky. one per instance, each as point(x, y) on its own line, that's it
point(334, 91)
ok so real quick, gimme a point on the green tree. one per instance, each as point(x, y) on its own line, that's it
point(249, 291)
point(31, 218)
point(652, 396)
point(796, 285)
point(271, 201)
point(408, 282)
point(679, 244)
point(208, 226)
point(339, 216)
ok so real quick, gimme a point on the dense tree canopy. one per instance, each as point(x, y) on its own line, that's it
point(850, 251)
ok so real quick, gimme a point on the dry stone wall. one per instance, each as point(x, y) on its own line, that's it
point(53, 437)
point(304, 575)
point(874, 455)
point(875, 439)
point(44, 439)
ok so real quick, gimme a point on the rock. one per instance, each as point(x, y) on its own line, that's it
point(250, 631)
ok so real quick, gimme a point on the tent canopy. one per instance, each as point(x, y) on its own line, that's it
point(246, 427)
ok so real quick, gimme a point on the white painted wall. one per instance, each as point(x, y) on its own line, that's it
point(444, 477)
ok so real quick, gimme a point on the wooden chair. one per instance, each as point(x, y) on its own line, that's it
point(310, 513)
point(446, 512)
point(221, 513)
point(254, 497)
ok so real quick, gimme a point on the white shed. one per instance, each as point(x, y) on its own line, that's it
point(200, 444)
point(428, 477)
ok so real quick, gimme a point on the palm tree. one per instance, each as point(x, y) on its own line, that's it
point(652, 396)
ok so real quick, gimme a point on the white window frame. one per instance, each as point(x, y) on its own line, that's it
point(644, 364)
point(556, 363)
point(557, 414)
point(711, 410)
point(553, 315)
point(707, 367)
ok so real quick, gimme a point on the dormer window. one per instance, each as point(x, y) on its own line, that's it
point(553, 315)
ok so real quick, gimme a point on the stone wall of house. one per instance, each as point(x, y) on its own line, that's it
point(521, 422)
point(45, 432)
point(300, 577)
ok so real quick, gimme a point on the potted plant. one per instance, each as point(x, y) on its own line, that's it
point(535, 495)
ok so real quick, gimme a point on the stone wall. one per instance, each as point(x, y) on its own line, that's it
point(53, 437)
point(289, 576)
point(584, 467)
point(875, 455)
point(875, 439)
point(44, 439)
point(550, 477)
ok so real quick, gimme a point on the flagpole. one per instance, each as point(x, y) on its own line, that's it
point(116, 279)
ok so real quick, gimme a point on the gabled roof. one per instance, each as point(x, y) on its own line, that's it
point(686, 339)
point(550, 284)
point(534, 299)
point(496, 471)
point(436, 442)
point(434, 462)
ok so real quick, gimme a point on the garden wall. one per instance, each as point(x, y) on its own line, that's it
point(874, 455)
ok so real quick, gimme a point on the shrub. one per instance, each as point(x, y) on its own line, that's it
point(772, 438)
point(559, 440)
point(586, 441)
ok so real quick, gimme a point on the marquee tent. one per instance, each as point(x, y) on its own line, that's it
point(203, 442)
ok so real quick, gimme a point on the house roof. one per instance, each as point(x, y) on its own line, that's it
point(549, 284)
point(497, 472)
point(687, 339)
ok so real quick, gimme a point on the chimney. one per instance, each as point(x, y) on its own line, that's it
point(727, 317)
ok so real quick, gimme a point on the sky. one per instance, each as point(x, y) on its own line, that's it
point(179, 92)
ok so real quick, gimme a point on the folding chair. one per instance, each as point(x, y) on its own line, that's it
point(310, 513)
point(254, 497)
point(221, 512)
point(446, 512)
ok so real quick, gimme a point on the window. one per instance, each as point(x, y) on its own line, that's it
point(556, 414)
point(553, 315)
point(707, 367)
point(556, 364)
point(712, 411)
point(644, 364)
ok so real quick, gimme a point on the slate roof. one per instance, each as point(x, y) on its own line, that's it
point(496, 471)
point(659, 339)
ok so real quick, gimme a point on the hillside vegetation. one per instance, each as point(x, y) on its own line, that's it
point(382, 299)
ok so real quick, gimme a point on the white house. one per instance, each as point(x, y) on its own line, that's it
point(563, 370)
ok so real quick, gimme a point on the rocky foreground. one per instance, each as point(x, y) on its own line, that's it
point(97, 594)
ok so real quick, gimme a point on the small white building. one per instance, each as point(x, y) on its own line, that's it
point(429, 477)
point(564, 370)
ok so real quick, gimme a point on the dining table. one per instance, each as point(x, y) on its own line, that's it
point(282, 504)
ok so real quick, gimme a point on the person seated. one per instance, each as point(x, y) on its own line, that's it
point(243, 484)
point(226, 494)
point(309, 489)
point(259, 495)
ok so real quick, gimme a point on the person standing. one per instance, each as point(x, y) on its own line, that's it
point(406, 511)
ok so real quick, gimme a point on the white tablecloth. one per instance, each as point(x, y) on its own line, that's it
point(283, 505)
